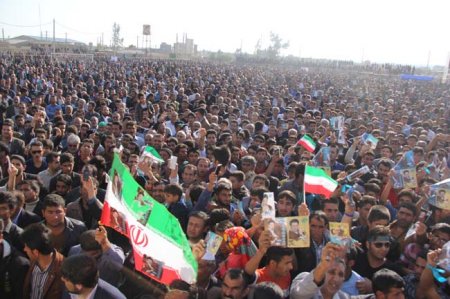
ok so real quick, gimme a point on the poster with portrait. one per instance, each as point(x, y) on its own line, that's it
point(152, 266)
point(268, 206)
point(409, 178)
point(277, 228)
point(443, 199)
point(337, 122)
point(340, 233)
point(297, 231)
point(213, 242)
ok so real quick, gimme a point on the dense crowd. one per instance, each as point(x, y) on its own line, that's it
point(234, 130)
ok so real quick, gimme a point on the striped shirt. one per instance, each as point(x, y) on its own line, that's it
point(38, 279)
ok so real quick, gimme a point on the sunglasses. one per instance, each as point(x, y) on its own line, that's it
point(381, 244)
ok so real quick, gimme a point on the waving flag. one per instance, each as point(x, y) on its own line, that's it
point(152, 153)
point(440, 195)
point(318, 182)
point(308, 143)
point(161, 250)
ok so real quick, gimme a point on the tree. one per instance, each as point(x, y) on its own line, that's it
point(276, 44)
point(116, 40)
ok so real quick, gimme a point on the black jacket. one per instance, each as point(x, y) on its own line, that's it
point(13, 269)
point(104, 291)
point(26, 218)
point(13, 236)
point(73, 230)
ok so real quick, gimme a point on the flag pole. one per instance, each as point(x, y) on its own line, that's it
point(304, 174)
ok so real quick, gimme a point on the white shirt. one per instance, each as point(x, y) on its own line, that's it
point(90, 296)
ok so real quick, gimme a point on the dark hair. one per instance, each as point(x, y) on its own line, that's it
point(299, 170)
point(18, 157)
point(8, 199)
point(267, 290)
point(4, 148)
point(8, 122)
point(80, 269)
point(66, 157)
point(53, 200)
point(332, 200)
point(384, 161)
point(37, 236)
point(222, 154)
point(384, 280)
point(239, 175)
point(264, 178)
point(51, 157)
point(234, 274)
point(378, 212)
point(199, 214)
point(217, 216)
point(88, 242)
point(276, 253)
point(372, 187)
point(319, 215)
point(441, 227)
point(34, 185)
point(259, 192)
point(410, 206)
point(99, 162)
point(408, 193)
point(174, 189)
point(65, 178)
point(222, 186)
point(289, 195)
point(367, 200)
point(378, 231)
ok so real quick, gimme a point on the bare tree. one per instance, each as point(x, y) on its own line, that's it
point(276, 44)
point(117, 41)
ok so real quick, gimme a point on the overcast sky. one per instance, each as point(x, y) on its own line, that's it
point(383, 31)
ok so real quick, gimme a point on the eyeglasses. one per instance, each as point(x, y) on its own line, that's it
point(381, 244)
point(35, 152)
point(73, 145)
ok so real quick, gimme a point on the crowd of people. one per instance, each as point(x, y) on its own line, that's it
point(234, 130)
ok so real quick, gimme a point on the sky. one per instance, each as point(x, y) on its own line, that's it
point(392, 31)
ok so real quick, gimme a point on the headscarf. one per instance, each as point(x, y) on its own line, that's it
point(242, 249)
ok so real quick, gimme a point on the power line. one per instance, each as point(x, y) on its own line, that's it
point(24, 26)
point(78, 31)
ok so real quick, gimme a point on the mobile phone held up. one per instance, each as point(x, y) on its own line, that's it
point(86, 174)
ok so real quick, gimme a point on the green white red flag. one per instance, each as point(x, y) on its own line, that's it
point(161, 250)
point(316, 181)
point(152, 153)
point(308, 143)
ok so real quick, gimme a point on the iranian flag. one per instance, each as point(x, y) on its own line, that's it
point(308, 143)
point(161, 250)
point(152, 153)
point(316, 181)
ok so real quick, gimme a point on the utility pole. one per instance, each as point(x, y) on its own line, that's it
point(3, 34)
point(137, 41)
point(54, 46)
